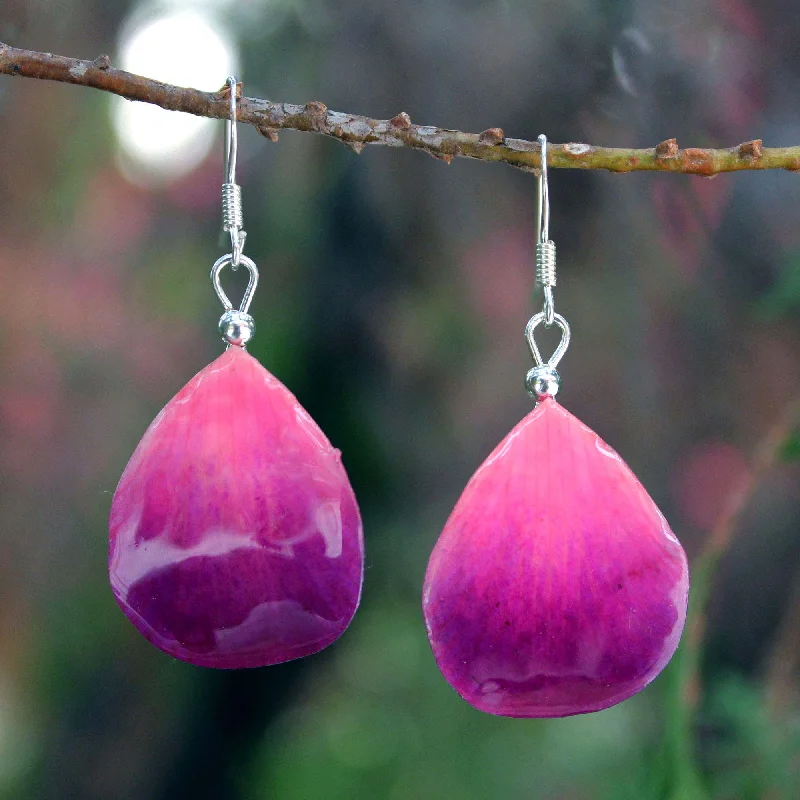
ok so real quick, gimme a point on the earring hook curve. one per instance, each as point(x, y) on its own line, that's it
point(231, 137)
point(232, 219)
point(543, 209)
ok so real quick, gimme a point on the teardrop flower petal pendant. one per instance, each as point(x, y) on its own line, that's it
point(556, 586)
point(235, 539)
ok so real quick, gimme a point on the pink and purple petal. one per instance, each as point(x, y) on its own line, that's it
point(235, 538)
point(557, 586)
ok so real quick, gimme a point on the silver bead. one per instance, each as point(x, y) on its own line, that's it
point(542, 382)
point(236, 327)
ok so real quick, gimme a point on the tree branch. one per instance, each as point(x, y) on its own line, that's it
point(356, 131)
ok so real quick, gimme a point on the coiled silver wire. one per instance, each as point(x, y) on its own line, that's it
point(546, 264)
point(232, 217)
point(546, 277)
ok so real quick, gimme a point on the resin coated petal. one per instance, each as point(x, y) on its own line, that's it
point(235, 538)
point(556, 587)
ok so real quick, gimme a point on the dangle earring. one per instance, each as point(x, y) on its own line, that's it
point(556, 586)
point(234, 538)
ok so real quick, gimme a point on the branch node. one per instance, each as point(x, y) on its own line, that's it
point(224, 92)
point(751, 151)
point(698, 161)
point(491, 136)
point(316, 113)
point(315, 109)
point(102, 62)
point(269, 133)
point(402, 121)
point(667, 149)
point(355, 145)
point(576, 149)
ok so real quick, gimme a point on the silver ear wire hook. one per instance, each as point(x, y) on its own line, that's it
point(545, 249)
point(543, 211)
point(543, 380)
point(232, 219)
point(236, 326)
point(231, 139)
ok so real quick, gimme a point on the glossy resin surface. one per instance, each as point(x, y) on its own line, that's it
point(235, 538)
point(556, 587)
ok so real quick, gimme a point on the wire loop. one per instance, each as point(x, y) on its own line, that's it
point(558, 354)
point(247, 298)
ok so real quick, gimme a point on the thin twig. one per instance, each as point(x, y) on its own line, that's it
point(357, 131)
point(766, 456)
point(686, 680)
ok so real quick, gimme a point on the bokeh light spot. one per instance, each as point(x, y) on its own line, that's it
point(185, 47)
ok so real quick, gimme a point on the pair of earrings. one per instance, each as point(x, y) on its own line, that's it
point(556, 587)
